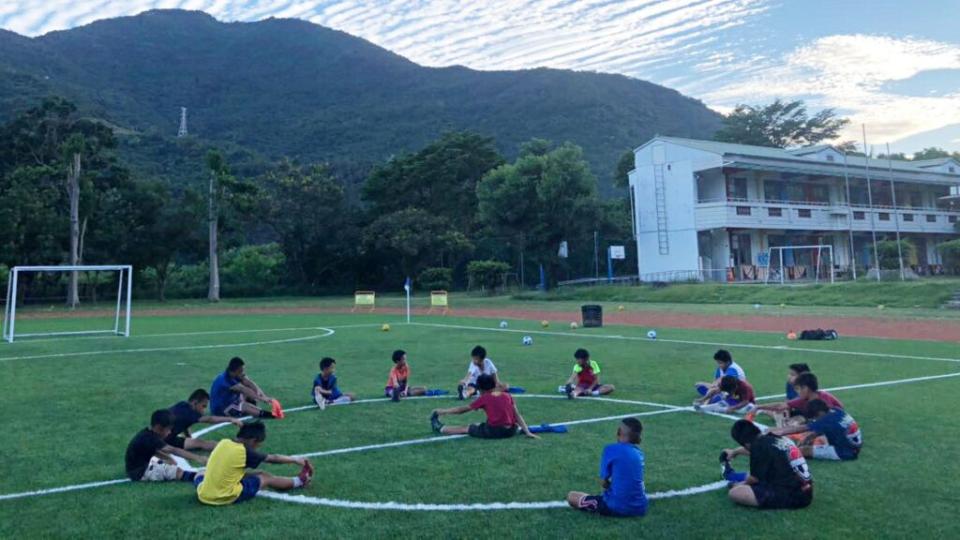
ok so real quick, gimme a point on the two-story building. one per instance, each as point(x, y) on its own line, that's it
point(710, 210)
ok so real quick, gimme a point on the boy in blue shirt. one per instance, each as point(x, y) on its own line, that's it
point(725, 367)
point(843, 437)
point(621, 474)
point(234, 394)
point(190, 412)
point(325, 389)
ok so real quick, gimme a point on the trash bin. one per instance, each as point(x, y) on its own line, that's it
point(592, 316)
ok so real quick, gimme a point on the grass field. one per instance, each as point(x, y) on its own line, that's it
point(72, 405)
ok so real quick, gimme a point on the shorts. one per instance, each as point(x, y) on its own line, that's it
point(484, 431)
point(587, 388)
point(829, 452)
point(159, 471)
point(234, 409)
point(250, 486)
point(594, 504)
point(175, 441)
point(702, 389)
point(769, 497)
point(388, 390)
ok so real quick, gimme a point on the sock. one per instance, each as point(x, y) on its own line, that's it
point(595, 393)
point(731, 475)
point(188, 476)
point(297, 482)
point(266, 414)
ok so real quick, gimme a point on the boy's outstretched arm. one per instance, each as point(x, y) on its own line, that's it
point(242, 388)
point(782, 406)
point(734, 452)
point(280, 458)
point(185, 454)
point(220, 420)
point(523, 423)
point(789, 430)
point(255, 387)
point(452, 410)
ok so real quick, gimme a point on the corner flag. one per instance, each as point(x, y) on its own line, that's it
point(407, 284)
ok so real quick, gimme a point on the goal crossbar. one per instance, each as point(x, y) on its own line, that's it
point(122, 312)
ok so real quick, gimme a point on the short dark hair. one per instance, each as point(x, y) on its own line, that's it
point(398, 355)
point(581, 354)
point(799, 368)
point(478, 352)
point(326, 362)
point(162, 418)
point(199, 395)
point(815, 407)
point(744, 432)
point(728, 383)
point(486, 382)
point(634, 429)
point(256, 431)
point(235, 363)
point(808, 380)
point(723, 355)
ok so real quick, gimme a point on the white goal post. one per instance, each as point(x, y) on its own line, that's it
point(124, 296)
point(780, 272)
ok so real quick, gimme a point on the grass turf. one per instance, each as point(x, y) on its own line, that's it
point(71, 417)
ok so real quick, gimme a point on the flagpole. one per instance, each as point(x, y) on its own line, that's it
point(406, 287)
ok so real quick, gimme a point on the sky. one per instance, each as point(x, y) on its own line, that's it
point(891, 65)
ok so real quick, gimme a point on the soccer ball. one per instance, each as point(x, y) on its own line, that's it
point(620, 307)
point(385, 328)
point(756, 306)
point(574, 325)
point(652, 334)
point(545, 324)
point(527, 340)
point(503, 324)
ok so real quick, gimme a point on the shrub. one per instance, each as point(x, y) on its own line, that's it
point(435, 279)
point(4, 273)
point(486, 275)
point(252, 270)
point(950, 251)
point(887, 251)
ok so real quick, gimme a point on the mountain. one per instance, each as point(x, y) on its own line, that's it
point(289, 87)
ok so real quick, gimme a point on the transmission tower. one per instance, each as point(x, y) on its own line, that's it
point(182, 132)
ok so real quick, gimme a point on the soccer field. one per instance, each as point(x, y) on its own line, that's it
point(72, 404)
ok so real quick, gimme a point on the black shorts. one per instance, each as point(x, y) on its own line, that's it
point(483, 431)
point(175, 441)
point(770, 497)
point(594, 504)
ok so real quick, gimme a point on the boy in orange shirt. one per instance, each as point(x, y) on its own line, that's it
point(398, 379)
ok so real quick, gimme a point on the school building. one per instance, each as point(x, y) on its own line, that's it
point(706, 210)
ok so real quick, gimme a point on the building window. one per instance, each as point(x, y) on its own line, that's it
point(829, 157)
point(931, 218)
point(803, 212)
point(859, 215)
point(908, 217)
point(952, 219)
point(952, 169)
point(884, 216)
point(743, 210)
point(775, 212)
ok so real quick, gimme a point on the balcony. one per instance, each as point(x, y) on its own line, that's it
point(790, 215)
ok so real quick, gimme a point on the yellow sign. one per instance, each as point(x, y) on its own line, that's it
point(439, 300)
point(364, 299)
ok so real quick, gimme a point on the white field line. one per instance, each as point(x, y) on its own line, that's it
point(875, 384)
point(329, 332)
point(203, 333)
point(579, 335)
point(63, 489)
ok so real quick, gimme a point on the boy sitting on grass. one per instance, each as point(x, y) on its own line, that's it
point(226, 480)
point(503, 417)
point(325, 389)
point(479, 365)
point(782, 417)
point(808, 389)
point(234, 394)
point(148, 456)
point(399, 377)
point(779, 476)
point(740, 398)
point(585, 379)
point(725, 366)
point(190, 412)
point(843, 437)
point(621, 474)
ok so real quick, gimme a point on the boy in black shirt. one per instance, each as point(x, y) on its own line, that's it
point(148, 455)
point(190, 412)
point(779, 476)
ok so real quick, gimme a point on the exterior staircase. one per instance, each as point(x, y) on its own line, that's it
point(953, 302)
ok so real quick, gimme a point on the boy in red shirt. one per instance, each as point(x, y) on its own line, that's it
point(740, 398)
point(808, 389)
point(503, 417)
point(585, 379)
point(398, 379)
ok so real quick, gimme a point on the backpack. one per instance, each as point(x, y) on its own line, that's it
point(819, 334)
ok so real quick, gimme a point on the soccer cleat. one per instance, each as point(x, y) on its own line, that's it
point(277, 409)
point(567, 389)
point(460, 392)
point(435, 423)
point(305, 475)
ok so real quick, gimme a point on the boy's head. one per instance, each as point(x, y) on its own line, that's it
point(582, 356)
point(252, 434)
point(728, 383)
point(161, 422)
point(198, 400)
point(806, 385)
point(486, 383)
point(399, 357)
point(235, 367)
point(723, 358)
point(816, 408)
point(629, 431)
point(744, 432)
point(478, 354)
point(794, 370)
point(328, 365)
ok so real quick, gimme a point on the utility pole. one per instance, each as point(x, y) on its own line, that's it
point(182, 132)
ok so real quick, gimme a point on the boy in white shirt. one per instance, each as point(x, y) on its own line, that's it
point(479, 365)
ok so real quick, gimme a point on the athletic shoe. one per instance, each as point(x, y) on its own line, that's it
point(569, 391)
point(305, 475)
point(395, 394)
point(320, 401)
point(460, 392)
point(750, 416)
point(277, 409)
point(435, 423)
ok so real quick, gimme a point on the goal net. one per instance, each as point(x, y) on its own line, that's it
point(791, 264)
point(39, 303)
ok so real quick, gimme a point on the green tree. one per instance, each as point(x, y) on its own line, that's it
point(625, 164)
point(225, 194)
point(539, 201)
point(415, 238)
point(779, 124)
point(486, 275)
point(931, 153)
point(889, 254)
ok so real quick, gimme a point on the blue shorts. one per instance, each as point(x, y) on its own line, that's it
point(702, 389)
point(251, 485)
